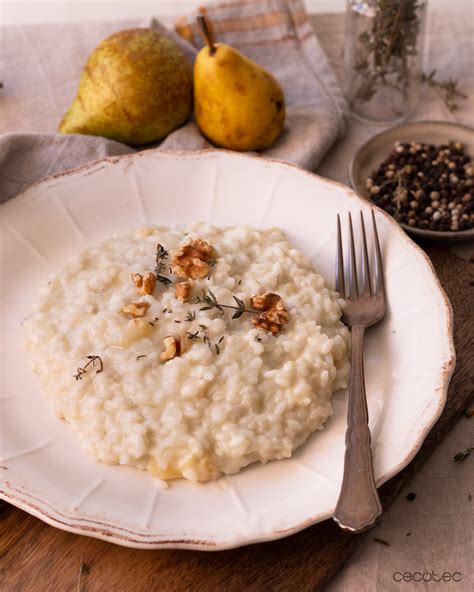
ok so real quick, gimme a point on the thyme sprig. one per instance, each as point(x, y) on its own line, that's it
point(447, 90)
point(385, 49)
point(92, 360)
point(210, 301)
point(400, 193)
point(161, 264)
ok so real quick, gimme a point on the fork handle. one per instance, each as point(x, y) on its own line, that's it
point(358, 506)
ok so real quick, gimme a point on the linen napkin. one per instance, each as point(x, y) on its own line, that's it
point(276, 34)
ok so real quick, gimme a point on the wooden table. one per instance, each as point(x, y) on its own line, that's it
point(35, 557)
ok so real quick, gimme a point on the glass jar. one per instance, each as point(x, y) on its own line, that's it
point(383, 58)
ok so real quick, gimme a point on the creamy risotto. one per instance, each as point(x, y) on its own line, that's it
point(190, 352)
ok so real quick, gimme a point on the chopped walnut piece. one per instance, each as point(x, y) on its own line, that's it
point(193, 260)
point(137, 279)
point(172, 348)
point(149, 282)
point(266, 301)
point(135, 309)
point(274, 314)
point(145, 284)
point(183, 290)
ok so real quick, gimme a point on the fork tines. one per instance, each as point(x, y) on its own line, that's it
point(359, 284)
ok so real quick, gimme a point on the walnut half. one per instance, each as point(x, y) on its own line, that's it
point(172, 348)
point(274, 314)
point(193, 259)
point(145, 284)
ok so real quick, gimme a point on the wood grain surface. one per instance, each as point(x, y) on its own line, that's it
point(35, 557)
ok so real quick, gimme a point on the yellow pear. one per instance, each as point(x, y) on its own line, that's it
point(237, 103)
point(136, 87)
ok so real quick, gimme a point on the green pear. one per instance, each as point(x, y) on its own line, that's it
point(136, 88)
point(237, 103)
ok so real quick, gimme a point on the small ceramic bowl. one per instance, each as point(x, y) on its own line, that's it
point(370, 155)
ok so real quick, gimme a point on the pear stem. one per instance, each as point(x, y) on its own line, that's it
point(207, 35)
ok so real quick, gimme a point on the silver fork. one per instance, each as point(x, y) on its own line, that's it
point(358, 507)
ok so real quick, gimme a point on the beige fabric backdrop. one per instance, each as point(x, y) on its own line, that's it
point(440, 518)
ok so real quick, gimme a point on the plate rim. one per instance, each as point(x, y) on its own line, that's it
point(436, 235)
point(108, 531)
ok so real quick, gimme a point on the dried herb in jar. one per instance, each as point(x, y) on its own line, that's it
point(384, 50)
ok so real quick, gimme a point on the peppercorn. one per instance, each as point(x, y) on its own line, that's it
point(426, 186)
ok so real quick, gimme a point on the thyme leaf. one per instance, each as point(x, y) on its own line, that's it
point(83, 569)
point(163, 279)
point(460, 456)
point(161, 264)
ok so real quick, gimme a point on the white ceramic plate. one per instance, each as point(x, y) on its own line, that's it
point(409, 358)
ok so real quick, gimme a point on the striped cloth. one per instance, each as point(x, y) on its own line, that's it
point(40, 83)
point(278, 35)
